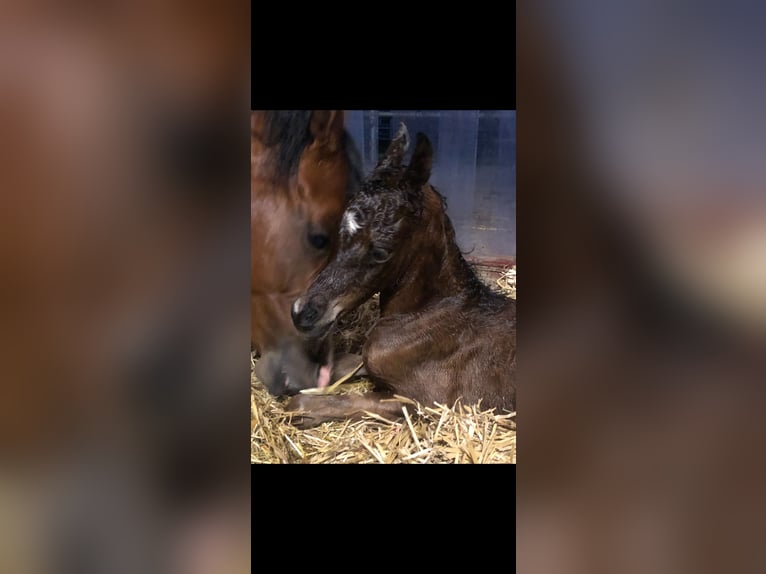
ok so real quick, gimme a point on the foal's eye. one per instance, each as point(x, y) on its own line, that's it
point(379, 255)
point(319, 240)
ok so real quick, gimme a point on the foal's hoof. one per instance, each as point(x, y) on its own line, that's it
point(313, 410)
point(299, 402)
point(300, 408)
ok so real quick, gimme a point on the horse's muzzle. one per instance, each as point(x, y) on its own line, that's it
point(288, 370)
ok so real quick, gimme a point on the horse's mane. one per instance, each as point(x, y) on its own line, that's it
point(355, 164)
point(287, 132)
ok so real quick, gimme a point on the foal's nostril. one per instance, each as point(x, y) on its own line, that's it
point(305, 316)
point(305, 319)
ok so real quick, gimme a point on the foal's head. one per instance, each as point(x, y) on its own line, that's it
point(377, 236)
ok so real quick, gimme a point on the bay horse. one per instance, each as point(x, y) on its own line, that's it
point(442, 335)
point(304, 168)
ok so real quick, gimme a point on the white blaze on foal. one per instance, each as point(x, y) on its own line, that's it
point(350, 223)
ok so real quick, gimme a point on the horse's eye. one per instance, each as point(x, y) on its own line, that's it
point(319, 240)
point(379, 255)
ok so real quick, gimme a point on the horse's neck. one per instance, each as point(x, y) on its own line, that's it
point(438, 272)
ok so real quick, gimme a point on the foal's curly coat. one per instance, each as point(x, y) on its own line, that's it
point(442, 334)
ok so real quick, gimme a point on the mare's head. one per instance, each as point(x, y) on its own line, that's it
point(304, 167)
point(382, 230)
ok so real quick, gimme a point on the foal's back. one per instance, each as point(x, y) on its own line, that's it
point(459, 347)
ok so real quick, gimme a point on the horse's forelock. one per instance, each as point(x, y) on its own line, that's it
point(287, 132)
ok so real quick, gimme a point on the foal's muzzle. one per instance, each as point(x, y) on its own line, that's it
point(306, 314)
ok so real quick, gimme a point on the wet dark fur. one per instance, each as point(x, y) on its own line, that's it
point(443, 334)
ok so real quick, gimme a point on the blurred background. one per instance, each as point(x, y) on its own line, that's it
point(642, 234)
point(125, 271)
point(641, 220)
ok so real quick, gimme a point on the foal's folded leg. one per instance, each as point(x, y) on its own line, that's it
point(313, 410)
point(346, 363)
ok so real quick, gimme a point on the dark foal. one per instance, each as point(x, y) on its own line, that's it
point(443, 335)
point(304, 167)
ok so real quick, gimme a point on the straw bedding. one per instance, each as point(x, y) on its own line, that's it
point(439, 434)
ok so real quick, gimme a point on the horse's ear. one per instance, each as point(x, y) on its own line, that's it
point(419, 169)
point(326, 127)
point(396, 149)
point(259, 128)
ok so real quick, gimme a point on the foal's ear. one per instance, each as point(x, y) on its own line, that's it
point(419, 169)
point(326, 127)
point(396, 149)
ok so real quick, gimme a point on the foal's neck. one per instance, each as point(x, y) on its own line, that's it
point(435, 269)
